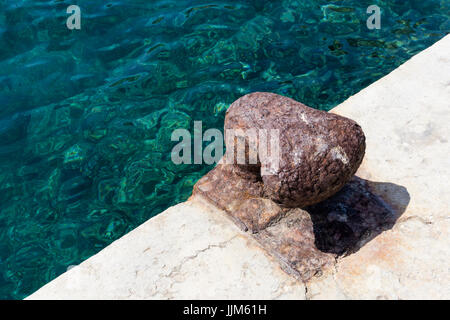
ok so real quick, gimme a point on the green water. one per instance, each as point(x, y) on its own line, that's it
point(86, 115)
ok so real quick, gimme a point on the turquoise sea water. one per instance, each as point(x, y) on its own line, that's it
point(86, 115)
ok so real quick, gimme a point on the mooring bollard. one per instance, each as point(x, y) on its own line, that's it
point(298, 195)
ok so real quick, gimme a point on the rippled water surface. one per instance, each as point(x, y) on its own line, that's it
point(86, 115)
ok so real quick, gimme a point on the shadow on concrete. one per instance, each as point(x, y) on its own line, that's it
point(355, 215)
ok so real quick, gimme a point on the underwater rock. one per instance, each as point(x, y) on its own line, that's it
point(319, 151)
point(13, 129)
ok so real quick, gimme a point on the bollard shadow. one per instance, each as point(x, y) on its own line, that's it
point(357, 214)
